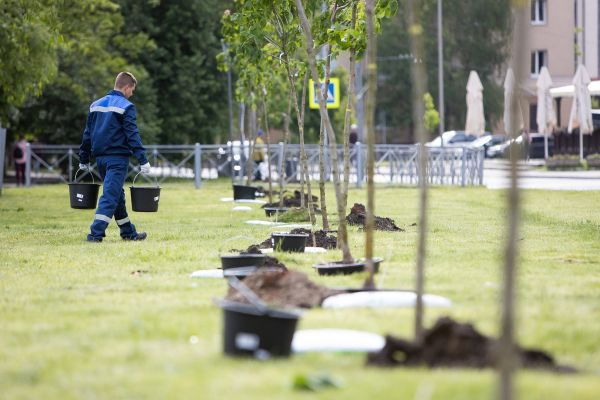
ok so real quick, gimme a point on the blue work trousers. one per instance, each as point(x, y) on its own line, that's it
point(113, 170)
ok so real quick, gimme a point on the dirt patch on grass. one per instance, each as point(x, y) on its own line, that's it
point(281, 289)
point(452, 344)
point(358, 216)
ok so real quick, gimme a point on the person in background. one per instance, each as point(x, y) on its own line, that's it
point(111, 136)
point(353, 137)
point(258, 154)
point(20, 157)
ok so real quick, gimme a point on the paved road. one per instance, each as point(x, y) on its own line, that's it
point(496, 176)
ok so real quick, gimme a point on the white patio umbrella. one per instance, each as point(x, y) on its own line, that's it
point(475, 119)
point(510, 86)
point(581, 112)
point(546, 117)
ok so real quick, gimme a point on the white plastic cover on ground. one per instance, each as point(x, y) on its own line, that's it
point(255, 201)
point(381, 299)
point(207, 273)
point(306, 250)
point(342, 340)
point(241, 208)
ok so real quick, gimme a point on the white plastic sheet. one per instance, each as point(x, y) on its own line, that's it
point(336, 340)
point(382, 299)
point(207, 273)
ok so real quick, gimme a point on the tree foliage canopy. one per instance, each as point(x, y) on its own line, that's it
point(170, 46)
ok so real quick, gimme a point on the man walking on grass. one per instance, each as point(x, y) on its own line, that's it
point(111, 136)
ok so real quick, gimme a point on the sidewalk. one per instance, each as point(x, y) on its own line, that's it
point(496, 176)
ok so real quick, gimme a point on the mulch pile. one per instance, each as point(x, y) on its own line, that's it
point(452, 344)
point(358, 216)
point(323, 239)
point(293, 201)
point(281, 289)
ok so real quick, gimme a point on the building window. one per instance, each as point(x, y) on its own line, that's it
point(539, 59)
point(538, 12)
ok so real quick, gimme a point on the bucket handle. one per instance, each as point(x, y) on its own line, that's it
point(90, 171)
point(136, 175)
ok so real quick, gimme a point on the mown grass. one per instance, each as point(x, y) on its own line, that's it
point(75, 323)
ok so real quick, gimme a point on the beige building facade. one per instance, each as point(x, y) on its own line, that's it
point(561, 34)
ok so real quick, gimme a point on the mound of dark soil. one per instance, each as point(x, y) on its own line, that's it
point(452, 344)
point(292, 200)
point(358, 216)
point(286, 288)
point(269, 261)
point(321, 238)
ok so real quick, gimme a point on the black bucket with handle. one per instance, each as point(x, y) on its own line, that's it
point(84, 196)
point(144, 198)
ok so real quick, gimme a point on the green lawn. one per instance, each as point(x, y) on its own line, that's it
point(75, 323)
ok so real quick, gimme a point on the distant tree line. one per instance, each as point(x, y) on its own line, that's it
point(56, 56)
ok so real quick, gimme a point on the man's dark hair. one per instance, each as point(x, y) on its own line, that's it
point(125, 79)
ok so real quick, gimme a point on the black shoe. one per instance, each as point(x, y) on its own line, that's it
point(139, 236)
point(90, 238)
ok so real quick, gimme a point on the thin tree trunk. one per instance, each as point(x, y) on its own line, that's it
point(264, 104)
point(322, 178)
point(347, 256)
point(343, 227)
point(419, 79)
point(286, 135)
point(507, 350)
point(370, 125)
point(310, 204)
point(325, 93)
point(250, 161)
point(242, 140)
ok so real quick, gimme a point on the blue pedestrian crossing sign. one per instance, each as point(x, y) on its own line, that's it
point(333, 94)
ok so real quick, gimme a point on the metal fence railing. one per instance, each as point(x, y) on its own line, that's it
point(396, 164)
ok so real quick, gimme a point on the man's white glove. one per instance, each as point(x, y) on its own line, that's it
point(145, 168)
point(85, 167)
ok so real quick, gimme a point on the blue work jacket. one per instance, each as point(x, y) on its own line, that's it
point(111, 130)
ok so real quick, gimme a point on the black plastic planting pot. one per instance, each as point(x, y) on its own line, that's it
point(339, 268)
point(242, 260)
point(243, 192)
point(261, 333)
point(270, 211)
point(290, 242)
point(83, 195)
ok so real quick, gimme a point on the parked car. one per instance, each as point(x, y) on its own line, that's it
point(452, 139)
point(536, 147)
point(487, 141)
